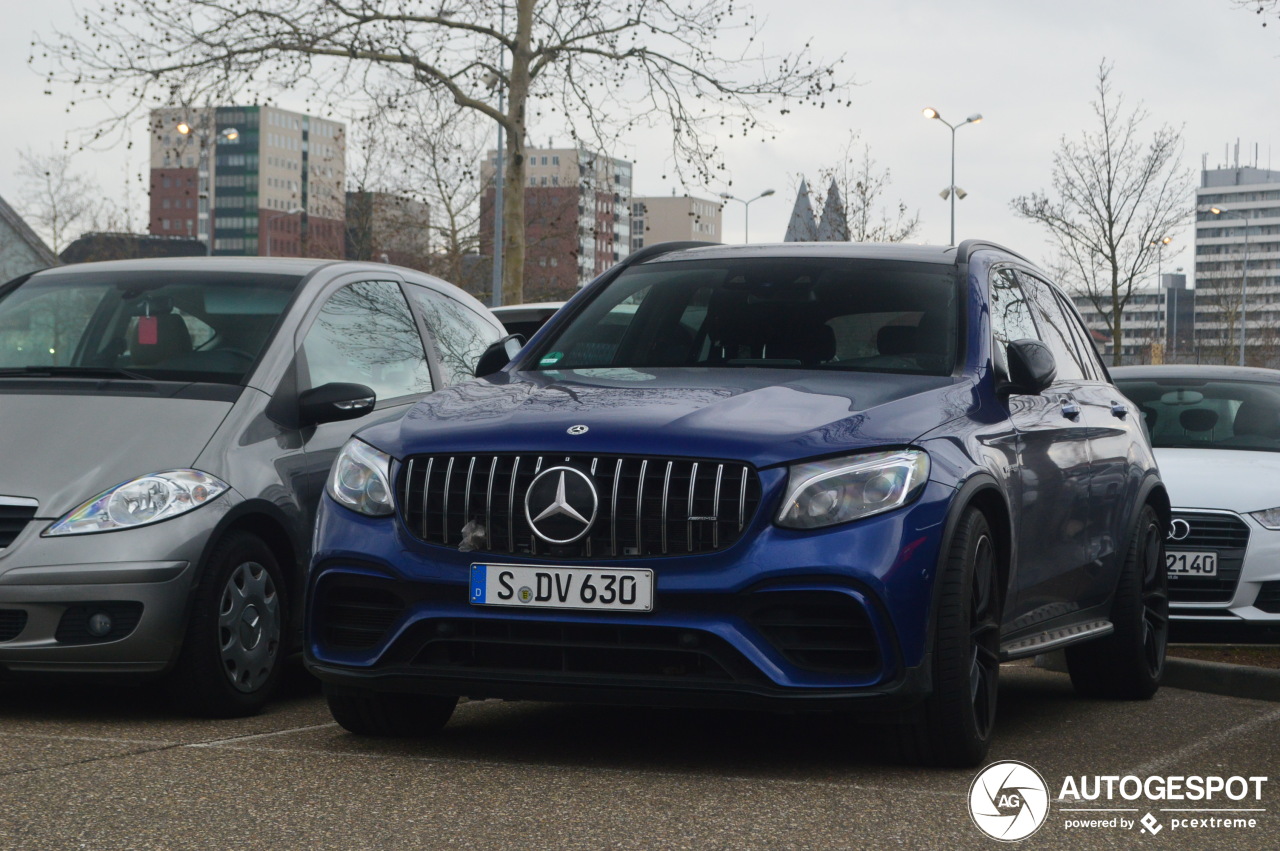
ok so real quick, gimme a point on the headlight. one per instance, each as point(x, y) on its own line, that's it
point(146, 499)
point(823, 493)
point(361, 479)
point(1269, 517)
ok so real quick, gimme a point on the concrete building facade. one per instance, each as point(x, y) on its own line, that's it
point(1248, 226)
point(1159, 323)
point(662, 218)
point(252, 180)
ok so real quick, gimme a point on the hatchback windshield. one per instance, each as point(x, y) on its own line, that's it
point(824, 313)
point(181, 326)
point(1185, 412)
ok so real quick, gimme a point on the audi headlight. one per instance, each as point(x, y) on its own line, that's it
point(823, 493)
point(146, 499)
point(1269, 517)
point(361, 479)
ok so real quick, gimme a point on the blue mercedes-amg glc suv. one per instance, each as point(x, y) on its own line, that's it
point(802, 476)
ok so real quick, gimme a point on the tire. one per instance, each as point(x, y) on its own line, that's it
point(1129, 663)
point(232, 652)
point(389, 714)
point(953, 727)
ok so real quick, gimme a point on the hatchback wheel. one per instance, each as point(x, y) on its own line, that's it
point(231, 655)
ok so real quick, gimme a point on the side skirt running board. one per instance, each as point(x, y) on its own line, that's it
point(1054, 638)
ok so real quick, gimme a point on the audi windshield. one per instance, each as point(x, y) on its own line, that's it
point(804, 313)
point(1185, 412)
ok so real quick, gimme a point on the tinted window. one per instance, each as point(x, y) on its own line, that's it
point(1010, 312)
point(163, 325)
point(459, 334)
point(810, 313)
point(1182, 412)
point(1054, 328)
point(1089, 358)
point(365, 334)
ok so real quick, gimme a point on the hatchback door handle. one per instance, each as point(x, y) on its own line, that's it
point(1119, 409)
point(1070, 410)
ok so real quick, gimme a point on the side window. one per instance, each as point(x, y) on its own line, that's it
point(365, 334)
point(1054, 330)
point(459, 333)
point(1010, 311)
point(1091, 360)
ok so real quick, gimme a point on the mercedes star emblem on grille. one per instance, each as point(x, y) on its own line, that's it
point(1179, 529)
point(577, 429)
point(566, 502)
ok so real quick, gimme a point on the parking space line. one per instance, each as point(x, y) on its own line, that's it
point(1221, 737)
point(215, 743)
point(155, 743)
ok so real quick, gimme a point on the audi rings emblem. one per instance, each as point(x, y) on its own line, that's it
point(1179, 529)
point(561, 505)
point(577, 430)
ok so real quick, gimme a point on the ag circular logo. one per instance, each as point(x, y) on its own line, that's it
point(1008, 800)
point(561, 505)
point(577, 429)
point(1179, 529)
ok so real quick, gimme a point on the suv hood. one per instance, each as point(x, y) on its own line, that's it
point(763, 416)
point(62, 449)
point(1233, 479)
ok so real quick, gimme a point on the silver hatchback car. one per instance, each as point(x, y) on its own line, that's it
point(166, 429)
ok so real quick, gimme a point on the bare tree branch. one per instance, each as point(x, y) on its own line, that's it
point(1114, 197)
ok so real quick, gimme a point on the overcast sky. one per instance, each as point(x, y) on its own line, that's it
point(1028, 67)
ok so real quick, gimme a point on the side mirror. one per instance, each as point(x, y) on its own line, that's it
point(1031, 367)
point(499, 355)
point(335, 401)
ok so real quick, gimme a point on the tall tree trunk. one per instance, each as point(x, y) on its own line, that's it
point(513, 219)
point(1117, 317)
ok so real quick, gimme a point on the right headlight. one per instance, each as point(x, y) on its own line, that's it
point(1269, 517)
point(837, 490)
point(361, 479)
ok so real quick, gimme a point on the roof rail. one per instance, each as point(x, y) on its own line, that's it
point(971, 245)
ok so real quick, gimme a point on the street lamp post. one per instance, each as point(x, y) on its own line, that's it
point(746, 210)
point(204, 189)
point(1162, 295)
point(292, 211)
point(952, 191)
point(1244, 269)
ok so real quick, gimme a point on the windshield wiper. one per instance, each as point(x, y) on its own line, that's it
point(76, 372)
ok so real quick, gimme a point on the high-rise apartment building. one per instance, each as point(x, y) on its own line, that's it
point(1158, 327)
point(577, 217)
point(1245, 233)
point(251, 180)
point(671, 218)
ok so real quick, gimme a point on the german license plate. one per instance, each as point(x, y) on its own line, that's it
point(615, 589)
point(1184, 563)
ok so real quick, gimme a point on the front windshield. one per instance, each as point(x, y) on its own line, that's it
point(1195, 413)
point(784, 313)
point(180, 326)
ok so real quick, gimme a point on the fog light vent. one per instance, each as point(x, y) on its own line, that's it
point(90, 623)
point(11, 623)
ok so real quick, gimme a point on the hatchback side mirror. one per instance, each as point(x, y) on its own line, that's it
point(335, 401)
point(499, 355)
point(1031, 367)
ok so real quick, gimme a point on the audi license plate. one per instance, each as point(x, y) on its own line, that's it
point(618, 589)
point(1184, 563)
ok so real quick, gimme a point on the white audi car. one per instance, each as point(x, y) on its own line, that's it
point(1216, 433)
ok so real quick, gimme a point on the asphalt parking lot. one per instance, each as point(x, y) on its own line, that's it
point(95, 769)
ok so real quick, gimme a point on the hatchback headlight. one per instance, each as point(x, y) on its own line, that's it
point(1269, 517)
point(823, 493)
point(146, 499)
point(361, 479)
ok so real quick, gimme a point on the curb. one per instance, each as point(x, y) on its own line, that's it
point(1196, 675)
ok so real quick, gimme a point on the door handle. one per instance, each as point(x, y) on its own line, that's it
point(1119, 409)
point(1070, 410)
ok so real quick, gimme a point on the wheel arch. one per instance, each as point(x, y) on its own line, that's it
point(983, 492)
point(269, 522)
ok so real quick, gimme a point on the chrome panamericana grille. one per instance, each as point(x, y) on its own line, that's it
point(648, 506)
